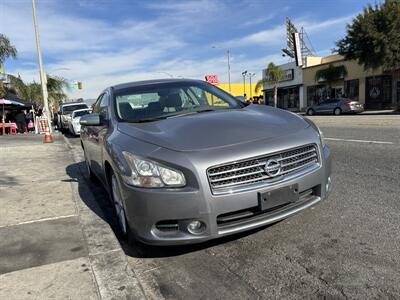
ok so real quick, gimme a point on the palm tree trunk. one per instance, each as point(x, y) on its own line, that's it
point(275, 96)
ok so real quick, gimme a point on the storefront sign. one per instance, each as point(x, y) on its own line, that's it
point(213, 79)
point(287, 75)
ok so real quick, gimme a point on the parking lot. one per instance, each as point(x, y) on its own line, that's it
point(346, 247)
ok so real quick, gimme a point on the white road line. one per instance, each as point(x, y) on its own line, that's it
point(39, 220)
point(359, 141)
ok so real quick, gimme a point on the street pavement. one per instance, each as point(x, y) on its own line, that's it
point(345, 247)
point(54, 240)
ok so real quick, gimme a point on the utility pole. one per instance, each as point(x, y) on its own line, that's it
point(228, 53)
point(43, 79)
point(251, 88)
point(244, 73)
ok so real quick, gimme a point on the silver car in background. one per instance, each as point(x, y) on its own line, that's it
point(336, 106)
point(185, 162)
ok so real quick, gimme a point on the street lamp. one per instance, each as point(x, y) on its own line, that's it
point(228, 53)
point(244, 73)
point(48, 138)
point(251, 88)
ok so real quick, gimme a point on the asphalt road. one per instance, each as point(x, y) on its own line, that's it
point(346, 247)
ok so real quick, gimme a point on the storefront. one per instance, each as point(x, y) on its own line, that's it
point(290, 88)
point(372, 88)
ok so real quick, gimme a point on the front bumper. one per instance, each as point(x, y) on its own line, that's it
point(147, 207)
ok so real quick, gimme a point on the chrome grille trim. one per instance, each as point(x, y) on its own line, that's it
point(243, 174)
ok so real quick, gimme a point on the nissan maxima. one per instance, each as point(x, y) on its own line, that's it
point(185, 162)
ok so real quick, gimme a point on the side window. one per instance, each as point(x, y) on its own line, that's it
point(96, 106)
point(103, 107)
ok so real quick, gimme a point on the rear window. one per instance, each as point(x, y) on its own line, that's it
point(81, 113)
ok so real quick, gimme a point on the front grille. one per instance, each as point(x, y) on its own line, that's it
point(255, 170)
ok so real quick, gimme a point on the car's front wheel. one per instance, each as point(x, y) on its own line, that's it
point(120, 210)
point(310, 112)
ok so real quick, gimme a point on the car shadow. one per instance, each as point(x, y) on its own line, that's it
point(96, 198)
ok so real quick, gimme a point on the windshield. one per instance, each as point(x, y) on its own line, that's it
point(160, 101)
point(69, 109)
point(80, 113)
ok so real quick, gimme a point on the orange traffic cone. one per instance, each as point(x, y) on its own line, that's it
point(48, 138)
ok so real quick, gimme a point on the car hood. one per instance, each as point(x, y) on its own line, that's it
point(216, 129)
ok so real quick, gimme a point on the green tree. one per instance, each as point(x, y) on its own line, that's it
point(6, 49)
point(331, 74)
point(33, 91)
point(373, 38)
point(273, 75)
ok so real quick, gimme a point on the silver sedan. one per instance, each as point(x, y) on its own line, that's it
point(336, 107)
point(185, 162)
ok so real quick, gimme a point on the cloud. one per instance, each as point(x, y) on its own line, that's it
point(89, 45)
point(268, 37)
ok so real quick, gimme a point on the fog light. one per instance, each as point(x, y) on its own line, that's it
point(196, 227)
point(329, 185)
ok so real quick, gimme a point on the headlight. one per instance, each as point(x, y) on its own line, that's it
point(321, 135)
point(148, 173)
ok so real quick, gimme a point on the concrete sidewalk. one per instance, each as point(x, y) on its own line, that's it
point(54, 241)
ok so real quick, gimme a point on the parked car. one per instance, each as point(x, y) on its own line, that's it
point(73, 124)
point(180, 169)
point(64, 116)
point(336, 106)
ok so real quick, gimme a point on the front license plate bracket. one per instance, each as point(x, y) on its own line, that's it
point(278, 197)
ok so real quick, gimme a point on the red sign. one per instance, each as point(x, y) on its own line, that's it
point(213, 79)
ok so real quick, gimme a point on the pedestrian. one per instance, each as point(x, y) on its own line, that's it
point(29, 120)
point(21, 122)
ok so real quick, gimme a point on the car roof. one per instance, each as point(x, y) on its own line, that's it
point(72, 103)
point(153, 81)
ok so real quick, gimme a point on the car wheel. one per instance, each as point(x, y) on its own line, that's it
point(89, 171)
point(310, 112)
point(337, 111)
point(120, 210)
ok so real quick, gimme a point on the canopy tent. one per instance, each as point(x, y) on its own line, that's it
point(14, 105)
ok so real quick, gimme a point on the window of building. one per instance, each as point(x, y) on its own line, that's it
point(315, 94)
point(351, 89)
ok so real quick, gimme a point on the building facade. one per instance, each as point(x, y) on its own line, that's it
point(239, 89)
point(373, 88)
point(290, 89)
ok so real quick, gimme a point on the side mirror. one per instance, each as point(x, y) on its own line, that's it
point(90, 120)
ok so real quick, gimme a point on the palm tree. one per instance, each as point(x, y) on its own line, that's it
point(6, 49)
point(273, 75)
point(330, 75)
point(33, 92)
point(55, 88)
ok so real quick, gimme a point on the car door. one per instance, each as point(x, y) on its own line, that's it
point(320, 108)
point(331, 105)
point(98, 134)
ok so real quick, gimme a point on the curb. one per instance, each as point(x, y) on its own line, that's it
point(113, 276)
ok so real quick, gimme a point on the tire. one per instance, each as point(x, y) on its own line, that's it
point(310, 112)
point(89, 171)
point(337, 111)
point(119, 210)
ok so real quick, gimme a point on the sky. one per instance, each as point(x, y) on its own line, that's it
point(106, 42)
